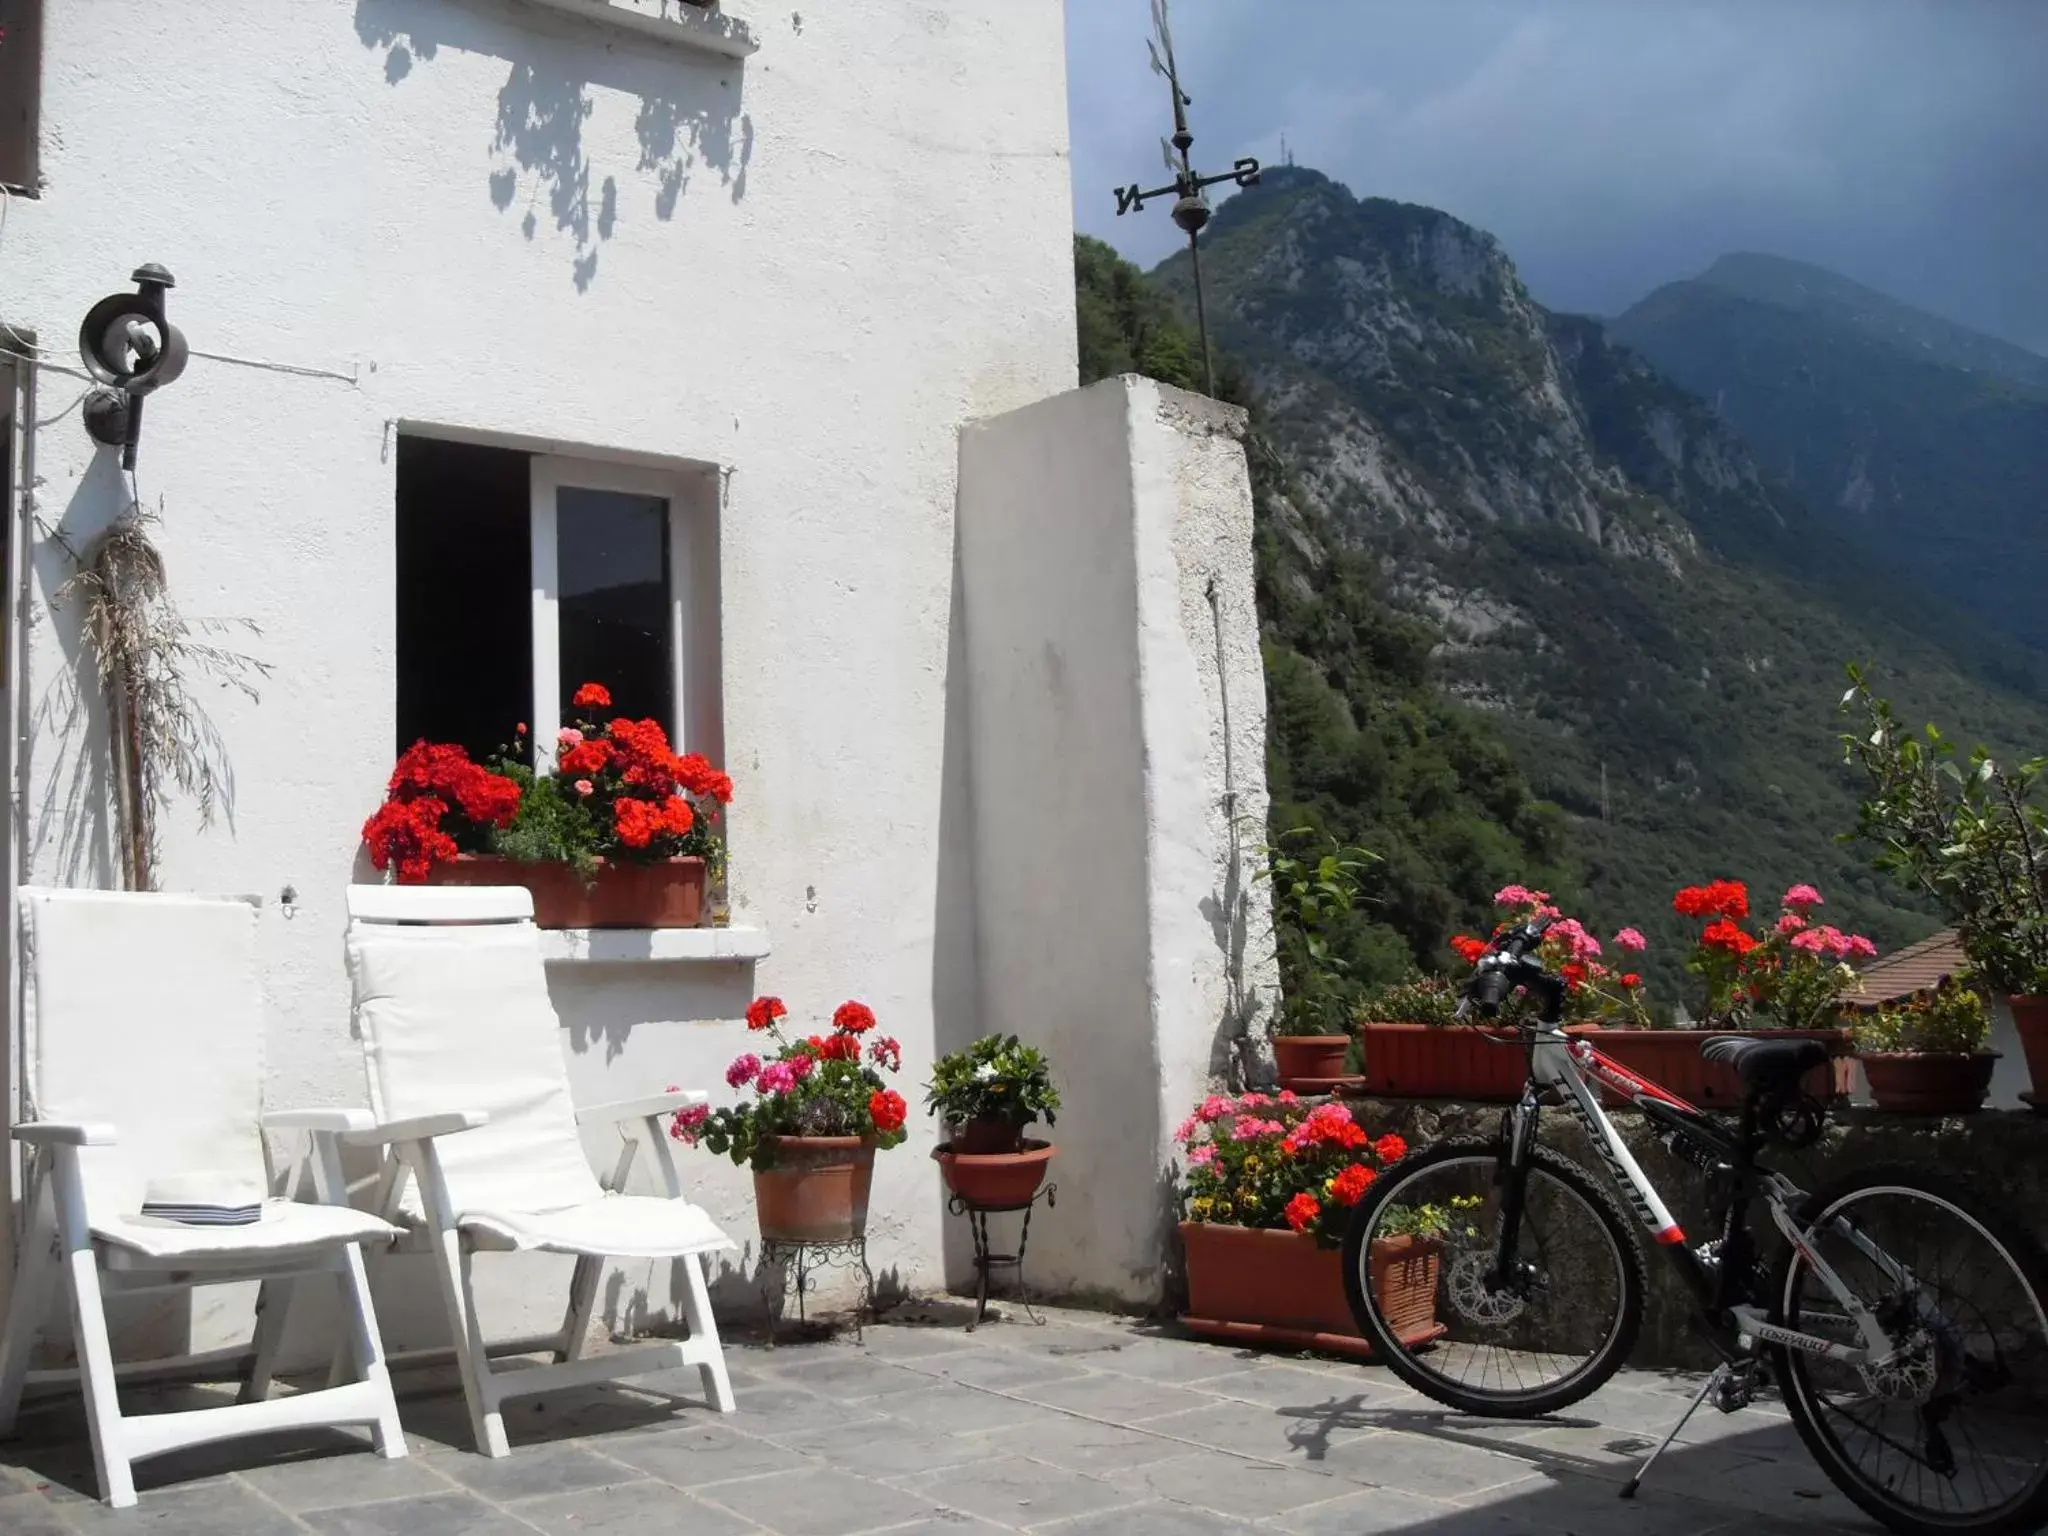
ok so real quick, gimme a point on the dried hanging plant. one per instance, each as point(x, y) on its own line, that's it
point(148, 657)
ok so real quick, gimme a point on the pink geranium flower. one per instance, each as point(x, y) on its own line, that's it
point(1582, 944)
point(1213, 1108)
point(1802, 897)
point(1790, 922)
point(1631, 939)
point(1202, 1156)
point(777, 1077)
point(1519, 896)
point(743, 1071)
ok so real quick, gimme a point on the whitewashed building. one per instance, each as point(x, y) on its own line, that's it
point(778, 302)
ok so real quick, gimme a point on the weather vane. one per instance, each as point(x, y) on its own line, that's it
point(1190, 207)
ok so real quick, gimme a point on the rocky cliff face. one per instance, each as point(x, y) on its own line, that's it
point(1655, 625)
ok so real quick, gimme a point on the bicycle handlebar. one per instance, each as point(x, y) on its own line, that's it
point(1506, 965)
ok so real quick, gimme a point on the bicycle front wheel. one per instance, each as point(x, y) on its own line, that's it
point(1948, 1430)
point(1512, 1346)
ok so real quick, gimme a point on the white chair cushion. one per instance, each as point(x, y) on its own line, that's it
point(284, 1226)
point(457, 1017)
point(615, 1226)
point(145, 1012)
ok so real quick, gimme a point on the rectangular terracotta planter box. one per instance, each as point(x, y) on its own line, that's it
point(1671, 1059)
point(1259, 1286)
point(1456, 1061)
point(665, 895)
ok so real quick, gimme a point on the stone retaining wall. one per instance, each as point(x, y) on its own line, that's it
point(2001, 1155)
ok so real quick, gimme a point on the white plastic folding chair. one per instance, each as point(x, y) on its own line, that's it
point(143, 1055)
point(452, 1006)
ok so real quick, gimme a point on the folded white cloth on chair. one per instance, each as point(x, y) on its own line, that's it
point(205, 1199)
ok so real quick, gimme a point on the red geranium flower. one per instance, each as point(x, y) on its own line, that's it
point(853, 1018)
point(888, 1110)
point(586, 758)
point(1348, 1188)
point(1469, 949)
point(1717, 898)
point(592, 696)
point(764, 1011)
point(407, 835)
point(1722, 934)
point(1390, 1148)
point(1303, 1210)
point(1631, 980)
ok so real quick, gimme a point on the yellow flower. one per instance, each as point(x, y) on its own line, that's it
point(1200, 1206)
point(1251, 1165)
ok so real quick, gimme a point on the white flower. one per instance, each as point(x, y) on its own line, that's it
point(986, 1072)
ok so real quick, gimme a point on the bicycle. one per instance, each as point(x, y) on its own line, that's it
point(1909, 1354)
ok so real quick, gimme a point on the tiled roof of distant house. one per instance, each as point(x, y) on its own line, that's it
point(1912, 969)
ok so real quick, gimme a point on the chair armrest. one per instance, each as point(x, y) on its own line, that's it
point(319, 1120)
point(639, 1109)
point(418, 1128)
point(65, 1133)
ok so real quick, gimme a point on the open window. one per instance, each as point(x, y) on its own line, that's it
point(21, 81)
point(522, 576)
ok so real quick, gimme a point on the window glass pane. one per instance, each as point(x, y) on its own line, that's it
point(612, 587)
point(465, 594)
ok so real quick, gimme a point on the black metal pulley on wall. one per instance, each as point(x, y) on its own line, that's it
point(129, 345)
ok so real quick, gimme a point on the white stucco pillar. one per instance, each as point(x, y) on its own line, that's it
point(1117, 717)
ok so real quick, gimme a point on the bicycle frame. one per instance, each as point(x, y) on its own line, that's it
point(1567, 1069)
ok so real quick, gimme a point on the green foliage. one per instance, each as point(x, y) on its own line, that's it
point(547, 829)
point(1436, 1221)
point(1951, 1020)
point(1416, 999)
point(996, 1078)
point(1967, 832)
point(1315, 896)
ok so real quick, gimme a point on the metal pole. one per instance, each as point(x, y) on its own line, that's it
point(1202, 320)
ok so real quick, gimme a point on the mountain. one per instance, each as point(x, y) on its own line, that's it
point(1649, 623)
point(1921, 444)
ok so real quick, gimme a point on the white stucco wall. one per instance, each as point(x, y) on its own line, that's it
point(811, 268)
point(1118, 719)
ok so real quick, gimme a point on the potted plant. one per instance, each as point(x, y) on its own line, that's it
point(985, 1095)
point(1268, 1183)
point(1970, 835)
point(819, 1110)
point(1412, 1052)
point(1314, 895)
point(1926, 1055)
point(620, 832)
point(1783, 979)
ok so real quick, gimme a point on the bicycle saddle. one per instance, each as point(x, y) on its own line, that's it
point(1765, 1064)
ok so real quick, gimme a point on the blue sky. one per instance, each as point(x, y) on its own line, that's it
point(1614, 145)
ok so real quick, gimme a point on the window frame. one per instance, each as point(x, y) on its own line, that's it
point(693, 700)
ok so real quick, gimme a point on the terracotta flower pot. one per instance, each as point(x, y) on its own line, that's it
point(1915, 1084)
point(817, 1189)
point(998, 1180)
point(1310, 1056)
point(988, 1135)
point(1457, 1061)
point(669, 894)
point(1275, 1287)
point(1671, 1059)
point(2030, 1022)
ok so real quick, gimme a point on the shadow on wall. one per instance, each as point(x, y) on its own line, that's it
point(956, 1004)
point(69, 714)
point(689, 122)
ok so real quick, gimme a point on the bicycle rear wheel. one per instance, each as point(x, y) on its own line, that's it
point(1535, 1342)
point(1951, 1433)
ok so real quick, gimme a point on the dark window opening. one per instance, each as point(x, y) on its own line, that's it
point(21, 80)
point(611, 549)
point(465, 594)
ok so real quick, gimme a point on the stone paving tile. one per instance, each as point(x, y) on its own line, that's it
point(1015, 1491)
point(631, 1509)
point(445, 1514)
point(1251, 1430)
point(702, 1455)
point(790, 1408)
point(1080, 1445)
point(903, 1451)
point(331, 1482)
point(913, 1343)
point(206, 1510)
point(1160, 1519)
point(535, 1470)
point(954, 1410)
point(1180, 1360)
point(1438, 1469)
point(1231, 1485)
point(1582, 1507)
point(1373, 1512)
point(820, 1502)
point(1293, 1386)
point(851, 1378)
point(1119, 1399)
point(1002, 1370)
point(30, 1514)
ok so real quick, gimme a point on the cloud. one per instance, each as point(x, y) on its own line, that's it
point(1616, 144)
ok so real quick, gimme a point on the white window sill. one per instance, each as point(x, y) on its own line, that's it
point(664, 21)
point(652, 945)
